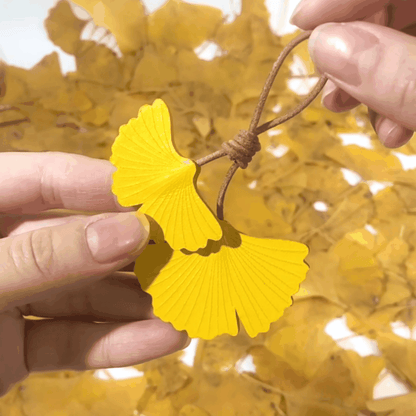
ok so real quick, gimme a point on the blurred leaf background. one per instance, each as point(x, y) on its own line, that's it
point(322, 179)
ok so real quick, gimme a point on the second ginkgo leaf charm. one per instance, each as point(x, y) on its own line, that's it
point(152, 173)
point(201, 292)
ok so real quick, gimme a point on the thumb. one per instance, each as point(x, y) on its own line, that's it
point(53, 257)
point(374, 64)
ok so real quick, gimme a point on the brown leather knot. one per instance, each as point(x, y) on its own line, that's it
point(242, 148)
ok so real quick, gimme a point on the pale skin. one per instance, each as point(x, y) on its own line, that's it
point(100, 317)
point(379, 69)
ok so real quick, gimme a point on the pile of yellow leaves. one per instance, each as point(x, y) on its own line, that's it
point(362, 245)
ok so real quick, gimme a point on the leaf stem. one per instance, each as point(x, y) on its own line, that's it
point(14, 122)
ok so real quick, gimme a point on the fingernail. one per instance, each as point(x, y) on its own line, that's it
point(297, 12)
point(344, 51)
point(391, 134)
point(117, 236)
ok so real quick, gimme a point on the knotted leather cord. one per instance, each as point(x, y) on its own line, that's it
point(246, 143)
point(242, 148)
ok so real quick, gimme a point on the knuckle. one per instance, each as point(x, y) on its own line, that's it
point(406, 94)
point(41, 252)
point(106, 344)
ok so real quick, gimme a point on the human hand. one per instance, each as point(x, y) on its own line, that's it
point(65, 268)
point(371, 61)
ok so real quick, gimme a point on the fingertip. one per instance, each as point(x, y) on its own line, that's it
point(397, 137)
point(144, 221)
point(391, 134)
point(116, 236)
point(301, 16)
point(294, 19)
point(337, 100)
point(188, 341)
point(145, 234)
point(328, 90)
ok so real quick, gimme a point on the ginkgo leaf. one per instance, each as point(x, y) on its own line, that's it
point(201, 292)
point(182, 25)
point(64, 28)
point(97, 62)
point(125, 19)
point(152, 173)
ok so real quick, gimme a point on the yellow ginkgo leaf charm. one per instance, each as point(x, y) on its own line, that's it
point(150, 172)
point(201, 292)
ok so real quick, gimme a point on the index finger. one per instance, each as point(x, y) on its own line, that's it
point(310, 14)
point(33, 182)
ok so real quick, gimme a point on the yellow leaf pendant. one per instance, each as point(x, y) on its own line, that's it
point(150, 172)
point(202, 291)
point(206, 273)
